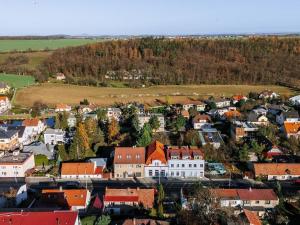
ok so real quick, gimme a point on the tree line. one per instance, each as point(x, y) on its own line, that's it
point(257, 60)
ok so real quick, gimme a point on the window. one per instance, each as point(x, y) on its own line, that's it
point(190, 165)
point(162, 173)
point(156, 163)
point(195, 165)
point(201, 165)
point(119, 157)
point(177, 165)
point(156, 173)
point(138, 166)
point(256, 202)
point(246, 202)
point(177, 173)
point(128, 156)
point(150, 173)
point(182, 165)
point(138, 156)
point(172, 174)
point(268, 202)
point(172, 165)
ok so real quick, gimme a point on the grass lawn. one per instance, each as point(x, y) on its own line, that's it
point(17, 81)
point(51, 44)
point(51, 93)
point(40, 159)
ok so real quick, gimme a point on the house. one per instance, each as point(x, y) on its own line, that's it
point(54, 136)
point(277, 171)
point(258, 116)
point(231, 114)
point(210, 136)
point(39, 217)
point(273, 151)
point(81, 170)
point(126, 200)
point(241, 129)
point(4, 88)
point(63, 108)
point(222, 102)
point(13, 196)
point(145, 118)
point(156, 162)
point(195, 104)
point(185, 162)
point(129, 162)
point(236, 98)
point(33, 127)
point(267, 94)
point(72, 121)
point(291, 129)
point(185, 114)
point(4, 104)
point(289, 116)
point(9, 139)
point(295, 100)
point(251, 218)
point(252, 199)
point(15, 164)
point(87, 108)
point(115, 113)
point(91, 115)
point(60, 76)
point(23, 137)
point(73, 199)
point(201, 121)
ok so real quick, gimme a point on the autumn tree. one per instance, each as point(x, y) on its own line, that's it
point(113, 130)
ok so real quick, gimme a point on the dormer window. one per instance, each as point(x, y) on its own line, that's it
point(128, 156)
point(138, 156)
point(119, 157)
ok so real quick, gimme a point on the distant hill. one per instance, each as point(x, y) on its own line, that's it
point(257, 60)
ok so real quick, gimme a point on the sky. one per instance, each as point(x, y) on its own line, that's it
point(152, 17)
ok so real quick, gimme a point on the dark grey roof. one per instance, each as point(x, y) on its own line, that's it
point(6, 133)
point(3, 85)
point(20, 129)
point(291, 114)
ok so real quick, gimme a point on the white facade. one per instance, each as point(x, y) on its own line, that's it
point(144, 118)
point(186, 168)
point(13, 165)
point(33, 130)
point(230, 202)
point(54, 136)
point(4, 104)
point(222, 103)
point(201, 124)
point(295, 100)
point(114, 113)
point(156, 169)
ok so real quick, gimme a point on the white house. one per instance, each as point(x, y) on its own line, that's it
point(144, 118)
point(54, 136)
point(33, 127)
point(277, 171)
point(115, 113)
point(185, 162)
point(4, 104)
point(221, 103)
point(72, 121)
point(15, 164)
point(295, 100)
point(201, 121)
point(267, 94)
point(156, 161)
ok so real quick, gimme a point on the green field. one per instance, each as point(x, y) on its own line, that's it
point(17, 81)
point(36, 45)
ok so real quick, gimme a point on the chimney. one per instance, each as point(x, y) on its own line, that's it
point(60, 188)
point(250, 188)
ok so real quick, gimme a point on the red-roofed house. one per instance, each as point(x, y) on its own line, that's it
point(124, 201)
point(277, 171)
point(63, 108)
point(39, 218)
point(129, 162)
point(74, 199)
point(251, 218)
point(33, 127)
point(156, 161)
point(236, 98)
point(201, 121)
point(81, 170)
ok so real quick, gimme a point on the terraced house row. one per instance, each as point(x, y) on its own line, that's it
point(158, 160)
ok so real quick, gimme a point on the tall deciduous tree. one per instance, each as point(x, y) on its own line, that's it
point(154, 123)
point(113, 130)
point(145, 136)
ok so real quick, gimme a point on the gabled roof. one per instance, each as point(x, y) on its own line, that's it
point(257, 194)
point(156, 151)
point(252, 217)
point(3, 98)
point(291, 127)
point(225, 193)
point(238, 97)
point(262, 169)
point(6, 133)
point(184, 151)
point(38, 218)
point(31, 122)
point(74, 197)
point(232, 113)
point(200, 117)
point(144, 196)
point(75, 168)
point(62, 106)
point(129, 155)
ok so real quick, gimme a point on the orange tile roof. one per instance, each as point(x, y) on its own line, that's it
point(3, 98)
point(62, 106)
point(232, 114)
point(74, 197)
point(263, 169)
point(74, 168)
point(156, 151)
point(145, 196)
point(257, 194)
point(31, 122)
point(291, 127)
point(129, 155)
point(200, 117)
point(252, 217)
point(185, 113)
point(238, 97)
point(224, 193)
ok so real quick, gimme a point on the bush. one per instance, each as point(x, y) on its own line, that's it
point(88, 220)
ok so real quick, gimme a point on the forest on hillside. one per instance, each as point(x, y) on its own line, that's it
point(253, 60)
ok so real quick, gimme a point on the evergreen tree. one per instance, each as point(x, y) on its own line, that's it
point(160, 200)
point(57, 121)
point(63, 155)
point(145, 136)
point(180, 122)
point(244, 153)
point(154, 122)
point(64, 120)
